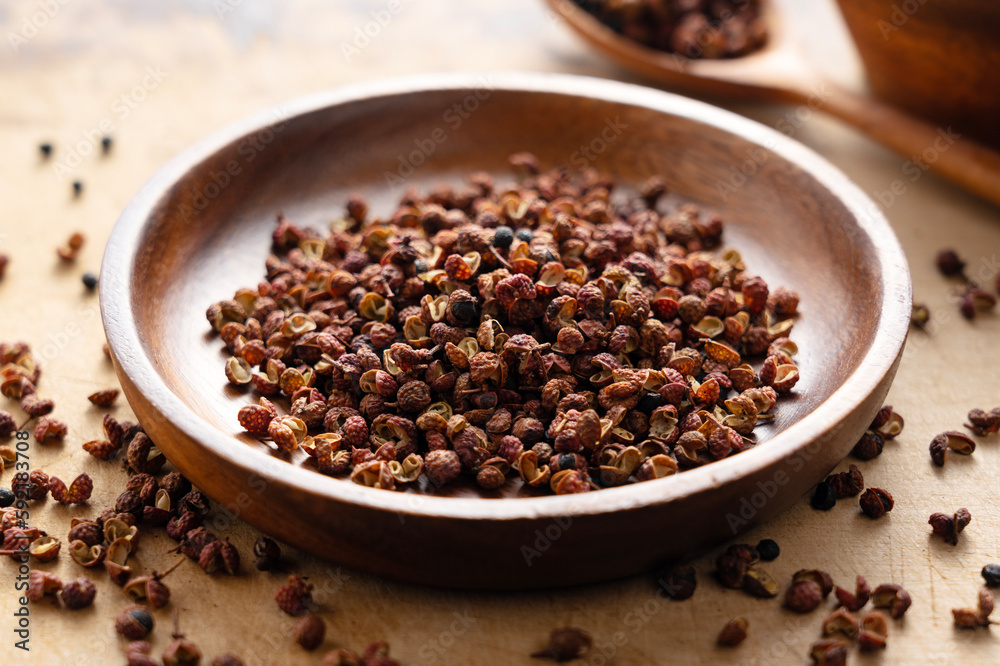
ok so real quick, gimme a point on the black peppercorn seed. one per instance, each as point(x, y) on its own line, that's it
point(45, 149)
point(768, 549)
point(525, 234)
point(649, 402)
point(503, 237)
point(991, 574)
point(7, 499)
point(90, 281)
point(567, 461)
point(77, 188)
point(268, 553)
point(824, 498)
point(464, 310)
point(106, 144)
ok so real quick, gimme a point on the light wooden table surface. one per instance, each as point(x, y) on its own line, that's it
point(159, 75)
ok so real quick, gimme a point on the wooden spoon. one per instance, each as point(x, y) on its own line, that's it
point(780, 73)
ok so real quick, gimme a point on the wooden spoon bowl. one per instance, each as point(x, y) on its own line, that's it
point(201, 228)
point(779, 72)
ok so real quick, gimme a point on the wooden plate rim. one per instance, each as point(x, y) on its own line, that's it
point(126, 341)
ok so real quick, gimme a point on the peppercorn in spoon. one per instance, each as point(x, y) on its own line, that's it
point(778, 72)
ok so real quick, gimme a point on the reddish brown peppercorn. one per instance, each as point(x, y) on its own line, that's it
point(869, 446)
point(893, 597)
point(874, 632)
point(41, 583)
point(255, 419)
point(734, 633)
point(565, 644)
point(679, 582)
point(181, 652)
point(355, 431)
point(101, 449)
point(78, 594)
point(194, 542)
point(139, 649)
point(876, 502)
point(847, 484)
point(821, 578)
point(219, 556)
point(949, 527)
point(309, 631)
point(49, 428)
point(143, 456)
point(35, 407)
point(966, 618)
point(856, 600)
point(36, 488)
point(7, 424)
point(803, 596)
point(104, 399)
point(984, 423)
point(954, 441)
point(87, 531)
point(413, 396)
point(949, 263)
point(134, 622)
point(840, 621)
point(784, 301)
point(79, 490)
point(759, 583)
point(295, 598)
point(828, 652)
point(442, 467)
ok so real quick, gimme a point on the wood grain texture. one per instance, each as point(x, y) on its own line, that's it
point(67, 79)
point(779, 72)
point(938, 60)
point(186, 242)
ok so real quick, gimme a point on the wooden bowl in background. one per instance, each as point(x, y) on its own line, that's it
point(201, 228)
point(940, 60)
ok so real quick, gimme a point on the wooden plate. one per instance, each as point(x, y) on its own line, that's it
point(201, 228)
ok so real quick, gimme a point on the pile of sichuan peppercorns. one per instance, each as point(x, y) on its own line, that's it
point(692, 29)
point(545, 327)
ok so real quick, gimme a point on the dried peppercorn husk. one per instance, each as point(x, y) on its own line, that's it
point(948, 527)
point(725, 29)
point(105, 398)
point(596, 328)
point(893, 597)
point(847, 484)
point(803, 596)
point(733, 633)
point(79, 490)
point(984, 423)
point(566, 644)
point(294, 598)
point(856, 600)
point(828, 652)
point(967, 618)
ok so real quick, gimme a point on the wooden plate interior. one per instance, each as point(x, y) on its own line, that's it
point(205, 231)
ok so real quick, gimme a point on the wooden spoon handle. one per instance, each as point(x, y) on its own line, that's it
point(937, 148)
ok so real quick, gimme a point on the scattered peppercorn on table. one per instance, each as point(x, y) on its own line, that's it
point(98, 98)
